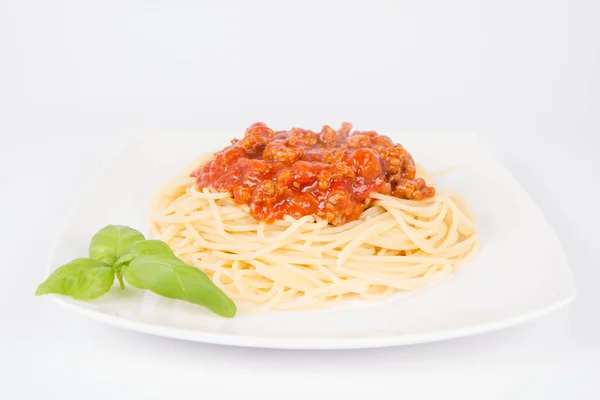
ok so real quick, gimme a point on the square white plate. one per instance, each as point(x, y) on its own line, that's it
point(519, 273)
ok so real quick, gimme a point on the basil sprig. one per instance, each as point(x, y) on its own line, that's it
point(82, 279)
point(122, 252)
point(112, 241)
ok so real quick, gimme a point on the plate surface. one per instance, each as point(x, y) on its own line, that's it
point(519, 273)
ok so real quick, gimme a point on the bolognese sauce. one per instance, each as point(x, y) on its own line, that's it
point(329, 174)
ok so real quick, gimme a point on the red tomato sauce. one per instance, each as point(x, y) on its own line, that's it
point(329, 174)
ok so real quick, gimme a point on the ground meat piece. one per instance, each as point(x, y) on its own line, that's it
point(324, 179)
point(412, 189)
point(342, 171)
point(253, 143)
point(285, 177)
point(333, 155)
point(304, 173)
point(259, 129)
point(394, 158)
point(242, 194)
point(409, 170)
point(328, 135)
point(344, 130)
point(302, 137)
point(366, 163)
point(277, 151)
point(358, 141)
point(338, 206)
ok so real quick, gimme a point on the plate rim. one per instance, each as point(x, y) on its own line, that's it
point(310, 343)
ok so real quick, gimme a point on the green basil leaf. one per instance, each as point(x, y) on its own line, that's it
point(82, 279)
point(112, 241)
point(144, 247)
point(169, 277)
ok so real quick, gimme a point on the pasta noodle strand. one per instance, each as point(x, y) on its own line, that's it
point(395, 245)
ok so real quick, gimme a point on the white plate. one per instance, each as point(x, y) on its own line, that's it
point(520, 272)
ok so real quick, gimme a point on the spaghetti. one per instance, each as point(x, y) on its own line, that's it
point(394, 244)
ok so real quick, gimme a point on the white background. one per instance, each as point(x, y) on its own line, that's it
point(76, 75)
